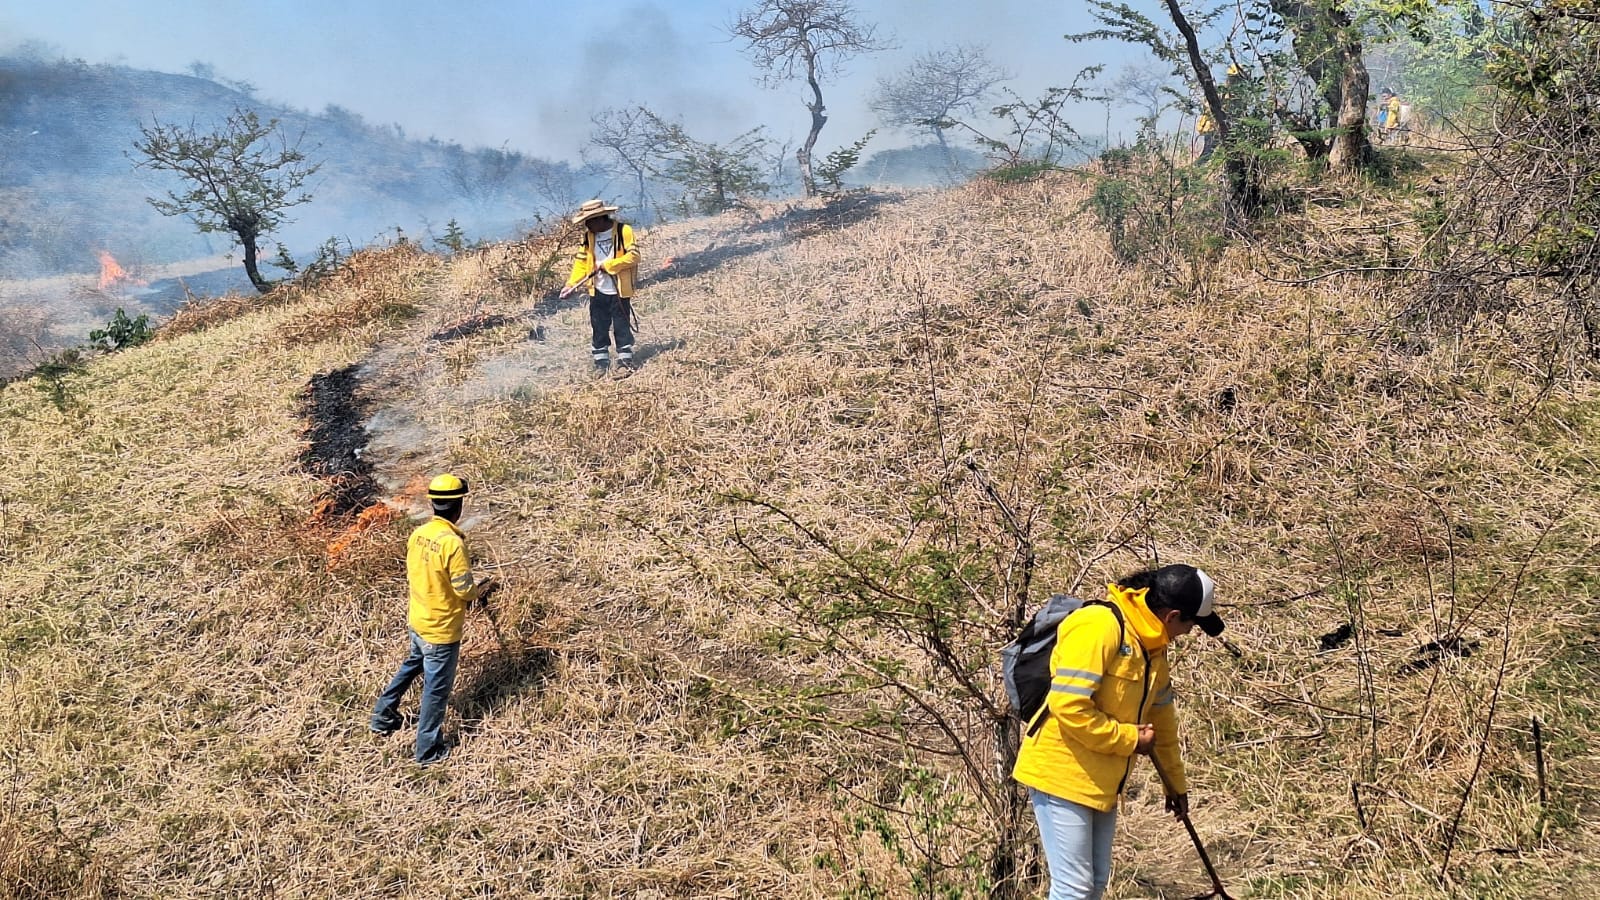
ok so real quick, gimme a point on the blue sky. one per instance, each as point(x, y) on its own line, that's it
point(528, 74)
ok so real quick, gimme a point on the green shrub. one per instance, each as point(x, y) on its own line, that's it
point(1020, 172)
point(1150, 206)
point(121, 333)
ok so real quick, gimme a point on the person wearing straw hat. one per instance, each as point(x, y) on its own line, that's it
point(607, 262)
point(1110, 699)
point(439, 574)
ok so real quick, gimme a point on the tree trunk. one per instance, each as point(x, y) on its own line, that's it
point(1329, 48)
point(1351, 150)
point(819, 118)
point(638, 175)
point(1010, 872)
point(248, 239)
point(944, 148)
point(1202, 70)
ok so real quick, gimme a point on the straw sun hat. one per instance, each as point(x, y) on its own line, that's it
point(591, 209)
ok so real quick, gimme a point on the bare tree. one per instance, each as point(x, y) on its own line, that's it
point(808, 39)
point(624, 140)
point(1148, 88)
point(483, 176)
point(240, 180)
point(937, 87)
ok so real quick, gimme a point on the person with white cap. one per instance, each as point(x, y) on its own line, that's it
point(1110, 699)
point(607, 262)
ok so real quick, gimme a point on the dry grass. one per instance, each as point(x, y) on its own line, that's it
point(187, 668)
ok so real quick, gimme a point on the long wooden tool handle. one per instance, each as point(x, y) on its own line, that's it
point(1205, 858)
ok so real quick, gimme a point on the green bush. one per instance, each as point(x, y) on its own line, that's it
point(455, 237)
point(121, 332)
point(1150, 206)
point(1020, 172)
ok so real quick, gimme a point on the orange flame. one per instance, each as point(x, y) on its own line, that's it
point(113, 275)
point(381, 513)
point(370, 518)
point(667, 263)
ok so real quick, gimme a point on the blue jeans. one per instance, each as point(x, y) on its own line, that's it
point(1077, 846)
point(436, 663)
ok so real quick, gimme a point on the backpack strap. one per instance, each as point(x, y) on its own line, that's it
point(1122, 628)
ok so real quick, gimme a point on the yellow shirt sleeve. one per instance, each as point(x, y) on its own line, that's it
point(1168, 750)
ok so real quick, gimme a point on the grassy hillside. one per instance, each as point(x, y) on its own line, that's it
point(682, 695)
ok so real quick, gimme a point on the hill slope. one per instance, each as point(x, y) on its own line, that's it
point(70, 190)
point(681, 696)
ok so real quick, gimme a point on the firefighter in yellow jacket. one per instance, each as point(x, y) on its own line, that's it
point(607, 262)
point(439, 574)
point(1110, 699)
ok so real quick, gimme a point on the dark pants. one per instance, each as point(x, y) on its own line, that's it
point(608, 313)
point(436, 663)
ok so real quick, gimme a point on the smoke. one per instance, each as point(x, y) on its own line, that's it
point(646, 59)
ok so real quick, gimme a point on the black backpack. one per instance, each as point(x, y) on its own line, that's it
point(1025, 662)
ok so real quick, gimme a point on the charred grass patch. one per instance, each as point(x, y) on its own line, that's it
point(335, 440)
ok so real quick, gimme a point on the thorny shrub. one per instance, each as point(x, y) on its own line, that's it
point(1521, 235)
point(1152, 207)
point(910, 624)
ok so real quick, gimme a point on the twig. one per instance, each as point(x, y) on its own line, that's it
point(1494, 698)
point(1364, 687)
point(1348, 271)
point(1391, 794)
point(1538, 764)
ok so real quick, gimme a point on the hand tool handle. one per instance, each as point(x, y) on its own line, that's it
point(1205, 858)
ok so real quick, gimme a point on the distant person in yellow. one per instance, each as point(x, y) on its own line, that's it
point(1389, 118)
point(439, 573)
point(1206, 127)
point(1110, 699)
point(608, 255)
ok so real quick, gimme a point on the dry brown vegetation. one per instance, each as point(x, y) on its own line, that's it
point(187, 669)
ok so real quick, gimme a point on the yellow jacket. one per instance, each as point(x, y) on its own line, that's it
point(1205, 124)
point(621, 264)
point(1392, 121)
point(1107, 681)
point(440, 575)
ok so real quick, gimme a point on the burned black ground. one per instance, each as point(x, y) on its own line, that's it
point(336, 438)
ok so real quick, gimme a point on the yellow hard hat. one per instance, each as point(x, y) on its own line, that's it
point(1233, 69)
point(447, 487)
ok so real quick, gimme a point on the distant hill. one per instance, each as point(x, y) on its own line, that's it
point(69, 187)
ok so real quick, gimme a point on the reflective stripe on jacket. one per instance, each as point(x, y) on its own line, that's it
point(439, 573)
point(622, 263)
point(1106, 682)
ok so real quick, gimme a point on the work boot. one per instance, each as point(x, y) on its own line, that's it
point(601, 367)
point(626, 367)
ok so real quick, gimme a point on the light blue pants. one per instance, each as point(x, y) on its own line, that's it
point(1077, 846)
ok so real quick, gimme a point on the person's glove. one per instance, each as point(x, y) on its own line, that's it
point(486, 589)
point(1178, 805)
